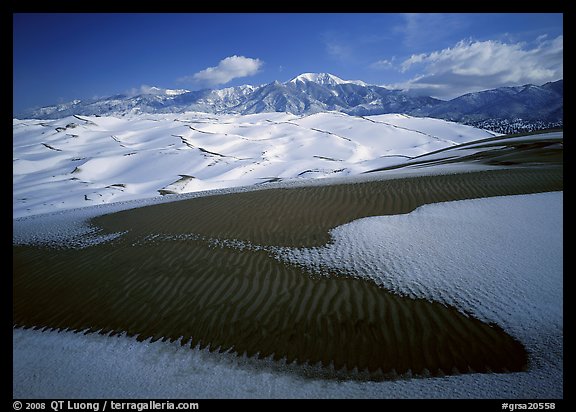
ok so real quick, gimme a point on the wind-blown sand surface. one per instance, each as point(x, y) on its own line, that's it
point(206, 271)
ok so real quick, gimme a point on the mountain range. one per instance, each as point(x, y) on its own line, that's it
point(504, 109)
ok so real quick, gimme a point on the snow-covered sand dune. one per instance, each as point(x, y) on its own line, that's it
point(498, 259)
point(239, 271)
point(82, 161)
point(505, 286)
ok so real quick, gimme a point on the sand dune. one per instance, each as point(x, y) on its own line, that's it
point(169, 278)
point(78, 162)
point(248, 302)
point(301, 217)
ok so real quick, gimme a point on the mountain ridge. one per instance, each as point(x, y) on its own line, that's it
point(522, 108)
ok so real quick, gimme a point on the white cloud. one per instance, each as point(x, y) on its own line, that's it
point(384, 64)
point(338, 50)
point(230, 68)
point(339, 45)
point(479, 65)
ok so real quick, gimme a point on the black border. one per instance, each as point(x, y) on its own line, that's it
point(550, 6)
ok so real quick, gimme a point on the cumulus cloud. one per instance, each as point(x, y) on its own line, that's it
point(384, 64)
point(230, 68)
point(479, 65)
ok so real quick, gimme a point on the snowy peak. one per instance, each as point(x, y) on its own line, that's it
point(323, 79)
point(231, 91)
point(527, 107)
point(156, 91)
point(319, 78)
point(175, 92)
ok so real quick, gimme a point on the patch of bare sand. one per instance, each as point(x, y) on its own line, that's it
point(248, 302)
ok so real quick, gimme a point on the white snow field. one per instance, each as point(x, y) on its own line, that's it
point(499, 259)
point(81, 161)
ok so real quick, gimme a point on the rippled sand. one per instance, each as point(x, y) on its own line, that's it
point(302, 217)
point(168, 278)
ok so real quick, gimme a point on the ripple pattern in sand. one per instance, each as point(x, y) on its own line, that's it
point(244, 300)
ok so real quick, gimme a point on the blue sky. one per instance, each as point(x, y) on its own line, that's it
point(61, 57)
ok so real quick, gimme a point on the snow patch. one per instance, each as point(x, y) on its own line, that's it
point(103, 160)
point(497, 258)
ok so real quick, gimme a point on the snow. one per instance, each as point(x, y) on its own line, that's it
point(80, 161)
point(175, 92)
point(324, 79)
point(68, 226)
point(499, 259)
point(232, 92)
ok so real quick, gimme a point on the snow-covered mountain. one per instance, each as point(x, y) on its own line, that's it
point(308, 93)
point(305, 94)
point(81, 161)
point(528, 102)
point(324, 79)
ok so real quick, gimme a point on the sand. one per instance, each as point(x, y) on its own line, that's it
point(302, 217)
point(202, 271)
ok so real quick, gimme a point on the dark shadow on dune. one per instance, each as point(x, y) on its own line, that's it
point(544, 150)
point(244, 300)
